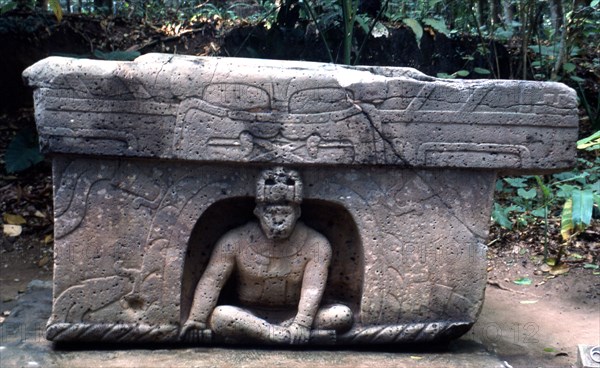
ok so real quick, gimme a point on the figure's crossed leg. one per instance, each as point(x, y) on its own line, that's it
point(238, 324)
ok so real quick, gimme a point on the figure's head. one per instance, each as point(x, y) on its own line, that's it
point(278, 198)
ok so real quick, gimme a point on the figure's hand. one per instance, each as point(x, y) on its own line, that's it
point(298, 334)
point(195, 332)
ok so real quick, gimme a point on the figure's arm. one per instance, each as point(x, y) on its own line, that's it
point(313, 286)
point(220, 267)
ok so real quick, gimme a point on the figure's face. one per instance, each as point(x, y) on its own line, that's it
point(277, 221)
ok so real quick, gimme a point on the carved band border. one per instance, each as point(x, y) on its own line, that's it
point(139, 333)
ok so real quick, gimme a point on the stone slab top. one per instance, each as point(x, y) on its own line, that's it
point(236, 110)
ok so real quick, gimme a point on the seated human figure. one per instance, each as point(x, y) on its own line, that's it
point(281, 267)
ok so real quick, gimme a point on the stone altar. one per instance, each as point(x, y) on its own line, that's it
point(158, 166)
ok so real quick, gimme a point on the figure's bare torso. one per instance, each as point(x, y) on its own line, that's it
point(270, 272)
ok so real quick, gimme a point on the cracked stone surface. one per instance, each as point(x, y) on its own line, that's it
point(155, 160)
point(263, 111)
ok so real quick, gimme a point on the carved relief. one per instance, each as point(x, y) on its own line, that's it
point(281, 269)
point(387, 251)
point(255, 135)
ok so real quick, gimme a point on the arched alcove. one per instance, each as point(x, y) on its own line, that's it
point(344, 283)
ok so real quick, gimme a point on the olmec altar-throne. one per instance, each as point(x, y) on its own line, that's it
point(156, 164)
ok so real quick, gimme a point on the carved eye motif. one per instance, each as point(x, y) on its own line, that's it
point(314, 100)
point(236, 96)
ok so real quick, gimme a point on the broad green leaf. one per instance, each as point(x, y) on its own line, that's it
point(574, 51)
point(566, 220)
point(523, 281)
point(416, 27)
point(549, 350)
point(527, 194)
point(482, 71)
point(22, 152)
point(568, 67)
point(504, 34)
point(577, 79)
point(499, 216)
point(8, 7)
point(462, 73)
point(499, 185)
point(565, 190)
point(591, 266)
point(363, 22)
point(445, 75)
point(438, 25)
point(589, 141)
point(516, 182)
point(540, 212)
point(583, 205)
point(543, 50)
point(56, 9)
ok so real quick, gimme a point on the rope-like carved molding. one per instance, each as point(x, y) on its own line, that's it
point(110, 332)
point(139, 333)
point(406, 333)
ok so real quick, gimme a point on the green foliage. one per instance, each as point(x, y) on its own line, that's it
point(415, 26)
point(591, 143)
point(7, 7)
point(56, 9)
point(575, 193)
point(22, 152)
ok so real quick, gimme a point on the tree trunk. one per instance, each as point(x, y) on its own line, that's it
point(495, 12)
point(482, 12)
point(509, 12)
point(556, 15)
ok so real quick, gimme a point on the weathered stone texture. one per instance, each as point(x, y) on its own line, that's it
point(397, 170)
point(132, 239)
point(244, 110)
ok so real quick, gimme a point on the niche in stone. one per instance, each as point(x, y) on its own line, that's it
point(333, 221)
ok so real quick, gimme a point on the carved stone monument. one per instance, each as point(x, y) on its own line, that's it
point(223, 200)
